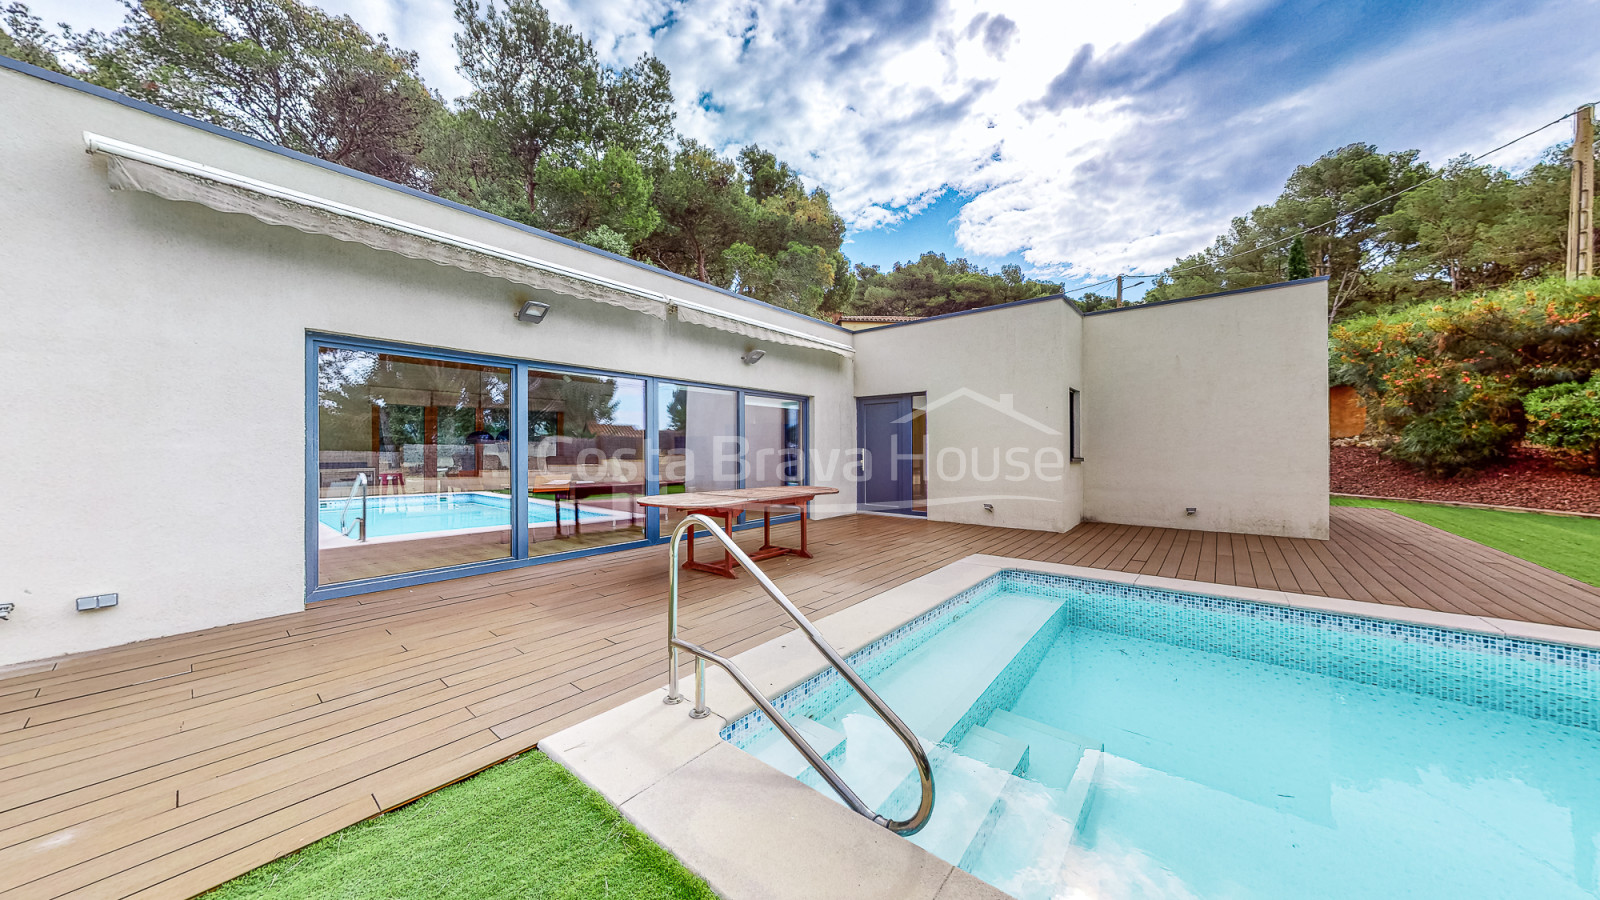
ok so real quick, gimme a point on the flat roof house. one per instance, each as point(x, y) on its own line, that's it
point(243, 379)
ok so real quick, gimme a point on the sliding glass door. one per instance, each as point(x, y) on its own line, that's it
point(586, 460)
point(413, 470)
point(698, 438)
point(773, 436)
point(427, 464)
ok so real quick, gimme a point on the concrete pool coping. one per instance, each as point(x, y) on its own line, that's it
point(752, 832)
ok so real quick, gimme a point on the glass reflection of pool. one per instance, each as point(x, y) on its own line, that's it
point(414, 514)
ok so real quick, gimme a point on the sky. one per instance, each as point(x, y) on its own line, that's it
point(1077, 139)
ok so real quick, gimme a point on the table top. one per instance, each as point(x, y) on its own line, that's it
point(736, 497)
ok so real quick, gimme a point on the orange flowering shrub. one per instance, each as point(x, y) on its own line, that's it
point(1448, 377)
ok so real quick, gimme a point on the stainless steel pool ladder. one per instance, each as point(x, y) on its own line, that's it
point(361, 486)
point(674, 643)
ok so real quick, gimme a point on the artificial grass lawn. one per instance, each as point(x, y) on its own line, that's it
point(524, 829)
point(1564, 544)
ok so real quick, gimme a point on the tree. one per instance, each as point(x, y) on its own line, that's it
point(767, 176)
point(933, 285)
point(1298, 266)
point(1440, 231)
point(277, 70)
point(602, 237)
point(1340, 198)
point(1094, 302)
point(841, 295)
point(611, 192)
point(798, 278)
point(24, 37)
point(703, 208)
point(466, 163)
point(540, 89)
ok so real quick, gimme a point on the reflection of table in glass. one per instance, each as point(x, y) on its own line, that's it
point(576, 490)
point(727, 505)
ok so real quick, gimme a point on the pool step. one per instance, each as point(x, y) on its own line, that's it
point(872, 760)
point(935, 685)
point(777, 752)
point(1053, 754)
point(967, 784)
point(1031, 829)
point(932, 699)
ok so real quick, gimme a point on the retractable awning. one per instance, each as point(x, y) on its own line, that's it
point(131, 167)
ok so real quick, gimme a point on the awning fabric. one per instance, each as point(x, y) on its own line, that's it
point(137, 168)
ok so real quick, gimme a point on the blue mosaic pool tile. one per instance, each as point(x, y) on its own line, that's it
point(1554, 682)
point(827, 688)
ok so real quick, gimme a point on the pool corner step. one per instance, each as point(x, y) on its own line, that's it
point(968, 782)
point(1053, 754)
point(776, 751)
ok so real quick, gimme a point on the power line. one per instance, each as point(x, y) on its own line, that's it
point(1336, 219)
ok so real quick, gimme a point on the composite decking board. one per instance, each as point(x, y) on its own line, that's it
point(1556, 597)
point(1479, 558)
point(1437, 587)
point(277, 732)
point(1157, 551)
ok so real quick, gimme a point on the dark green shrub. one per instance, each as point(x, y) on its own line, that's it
point(1567, 417)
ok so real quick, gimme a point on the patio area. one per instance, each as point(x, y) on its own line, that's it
point(163, 768)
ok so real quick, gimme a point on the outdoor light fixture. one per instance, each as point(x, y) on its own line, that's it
point(752, 357)
point(532, 312)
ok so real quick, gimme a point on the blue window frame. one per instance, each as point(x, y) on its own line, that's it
point(519, 554)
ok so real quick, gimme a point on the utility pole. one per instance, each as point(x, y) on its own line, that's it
point(1119, 290)
point(1580, 219)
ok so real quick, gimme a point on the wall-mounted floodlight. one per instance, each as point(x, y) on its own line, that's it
point(532, 312)
point(751, 357)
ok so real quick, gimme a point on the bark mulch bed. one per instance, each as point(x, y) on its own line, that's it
point(1531, 478)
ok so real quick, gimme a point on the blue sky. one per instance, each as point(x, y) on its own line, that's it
point(1078, 139)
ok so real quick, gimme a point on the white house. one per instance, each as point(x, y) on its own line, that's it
point(242, 379)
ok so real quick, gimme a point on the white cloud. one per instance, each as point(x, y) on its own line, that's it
point(1182, 115)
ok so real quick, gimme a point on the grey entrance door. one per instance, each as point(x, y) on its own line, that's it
point(884, 429)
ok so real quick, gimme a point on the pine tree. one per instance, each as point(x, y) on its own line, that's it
point(1299, 267)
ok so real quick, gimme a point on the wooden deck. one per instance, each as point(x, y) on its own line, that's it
point(163, 768)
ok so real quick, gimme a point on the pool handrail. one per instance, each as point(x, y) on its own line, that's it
point(359, 485)
point(906, 826)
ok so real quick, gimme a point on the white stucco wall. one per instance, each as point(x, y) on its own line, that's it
point(968, 365)
point(156, 360)
point(1219, 404)
point(155, 353)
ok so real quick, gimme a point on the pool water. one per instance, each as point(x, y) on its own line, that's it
point(388, 516)
point(1092, 740)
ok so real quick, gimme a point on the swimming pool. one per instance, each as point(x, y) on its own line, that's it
point(416, 515)
point(1104, 740)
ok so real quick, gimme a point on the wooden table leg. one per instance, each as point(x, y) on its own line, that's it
point(769, 549)
point(805, 513)
point(725, 569)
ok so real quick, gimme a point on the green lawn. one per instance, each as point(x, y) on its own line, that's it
point(1567, 545)
point(523, 829)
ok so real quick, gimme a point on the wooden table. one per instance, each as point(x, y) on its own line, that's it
point(727, 505)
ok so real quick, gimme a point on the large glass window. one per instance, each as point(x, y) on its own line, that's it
point(417, 459)
point(772, 441)
point(698, 438)
point(413, 464)
point(586, 460)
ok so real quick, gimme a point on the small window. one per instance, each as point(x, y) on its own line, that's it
point(1074, 425)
